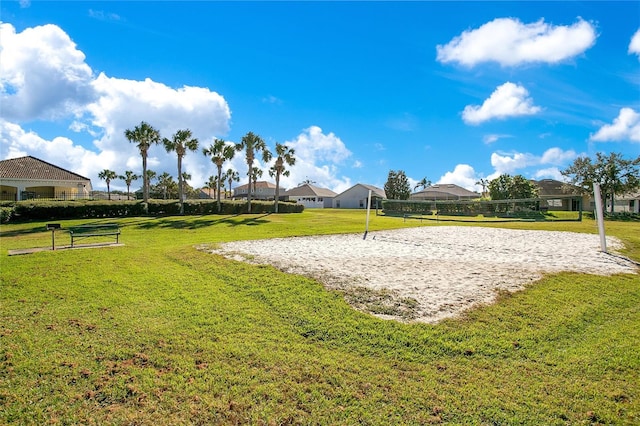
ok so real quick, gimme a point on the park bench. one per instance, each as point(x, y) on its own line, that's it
point(98, 230)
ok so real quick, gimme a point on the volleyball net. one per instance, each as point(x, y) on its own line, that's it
point(567, 208)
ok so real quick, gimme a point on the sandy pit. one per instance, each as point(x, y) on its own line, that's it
point(430, 273)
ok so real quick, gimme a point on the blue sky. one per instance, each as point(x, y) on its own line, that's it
point(450, 91)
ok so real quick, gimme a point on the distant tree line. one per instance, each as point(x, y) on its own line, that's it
point(615, 175)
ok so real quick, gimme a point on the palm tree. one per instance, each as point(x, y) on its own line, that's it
point(484, 183)
point(182, 141)
point(151, 175)
point(220, 152)
point(424, 183)
point(128, 177)
point(212, 184)
point(285, 155)
point(256, 172)
point(144, 135)
point(252, 144)
point(307, 181)
point(165, 182)
point(232, 176)
point(108, 175)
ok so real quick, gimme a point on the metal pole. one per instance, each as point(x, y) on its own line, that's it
point(53, 239)
point(366, 230)
point(600, 216)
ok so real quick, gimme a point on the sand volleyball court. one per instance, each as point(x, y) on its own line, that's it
point(430, 273)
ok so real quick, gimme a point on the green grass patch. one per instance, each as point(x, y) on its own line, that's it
point(159, 332)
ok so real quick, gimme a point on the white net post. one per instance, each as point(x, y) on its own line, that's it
point(366, 229)
point(600, 216)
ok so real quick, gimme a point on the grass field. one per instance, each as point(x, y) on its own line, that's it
point(158, 332)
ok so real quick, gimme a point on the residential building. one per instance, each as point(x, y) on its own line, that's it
point(26, 178)
point(443, 192)
point(311, 196)
point(263, 191)
point(356, 197)
point(560, 195)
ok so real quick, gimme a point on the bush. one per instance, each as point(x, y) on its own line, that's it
point(5, 214)
point(84, 209)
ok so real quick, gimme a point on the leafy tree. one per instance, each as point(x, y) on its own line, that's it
point(507, 187)
point(252, 145)
point(615, 175)
point(285, 157)
point(181, 141)
point(128, 177)
point(231, 176)
point(107, 176)
point(144, 135)
point(220, 152)
point(397, 186)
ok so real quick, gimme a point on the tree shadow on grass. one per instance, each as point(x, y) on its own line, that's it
point(195, 223)
point(173, 222)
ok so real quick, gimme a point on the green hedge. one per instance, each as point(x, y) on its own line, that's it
point(84, 209)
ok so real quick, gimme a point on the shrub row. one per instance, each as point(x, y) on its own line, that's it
point(84, 209)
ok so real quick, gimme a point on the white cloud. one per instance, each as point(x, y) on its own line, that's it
point(491, 138)
point(557, 156)
point(462, 175)
point(510, 163)
point(318, 157)
point(634, 45)
point(24, 3)
point(549, 173)
point(625, 127)
point(42, 74)
point(510, 42)
point(508, 100)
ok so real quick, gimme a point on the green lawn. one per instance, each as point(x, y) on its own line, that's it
point(158, 332)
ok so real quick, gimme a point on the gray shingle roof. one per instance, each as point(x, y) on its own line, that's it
point(307, 190)
point(33, 168)
point(445, 189)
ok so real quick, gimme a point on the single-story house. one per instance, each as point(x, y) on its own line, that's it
point(627, 203)
point(263, 191)
point(311, 196)
point(356, 197)
point(26, 178)
point(444, 191)
point(560, 195)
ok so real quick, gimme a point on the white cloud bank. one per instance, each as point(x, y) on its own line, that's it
point(510, 42)
point(508, 100)
point(43, 76)
point(634, 45)
point(318, 156)
point(625, 127)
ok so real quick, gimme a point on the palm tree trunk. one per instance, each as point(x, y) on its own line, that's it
point(180, 185)
point(277, 191)
point(249, 193)
point(218, 185)
point(145, 180)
